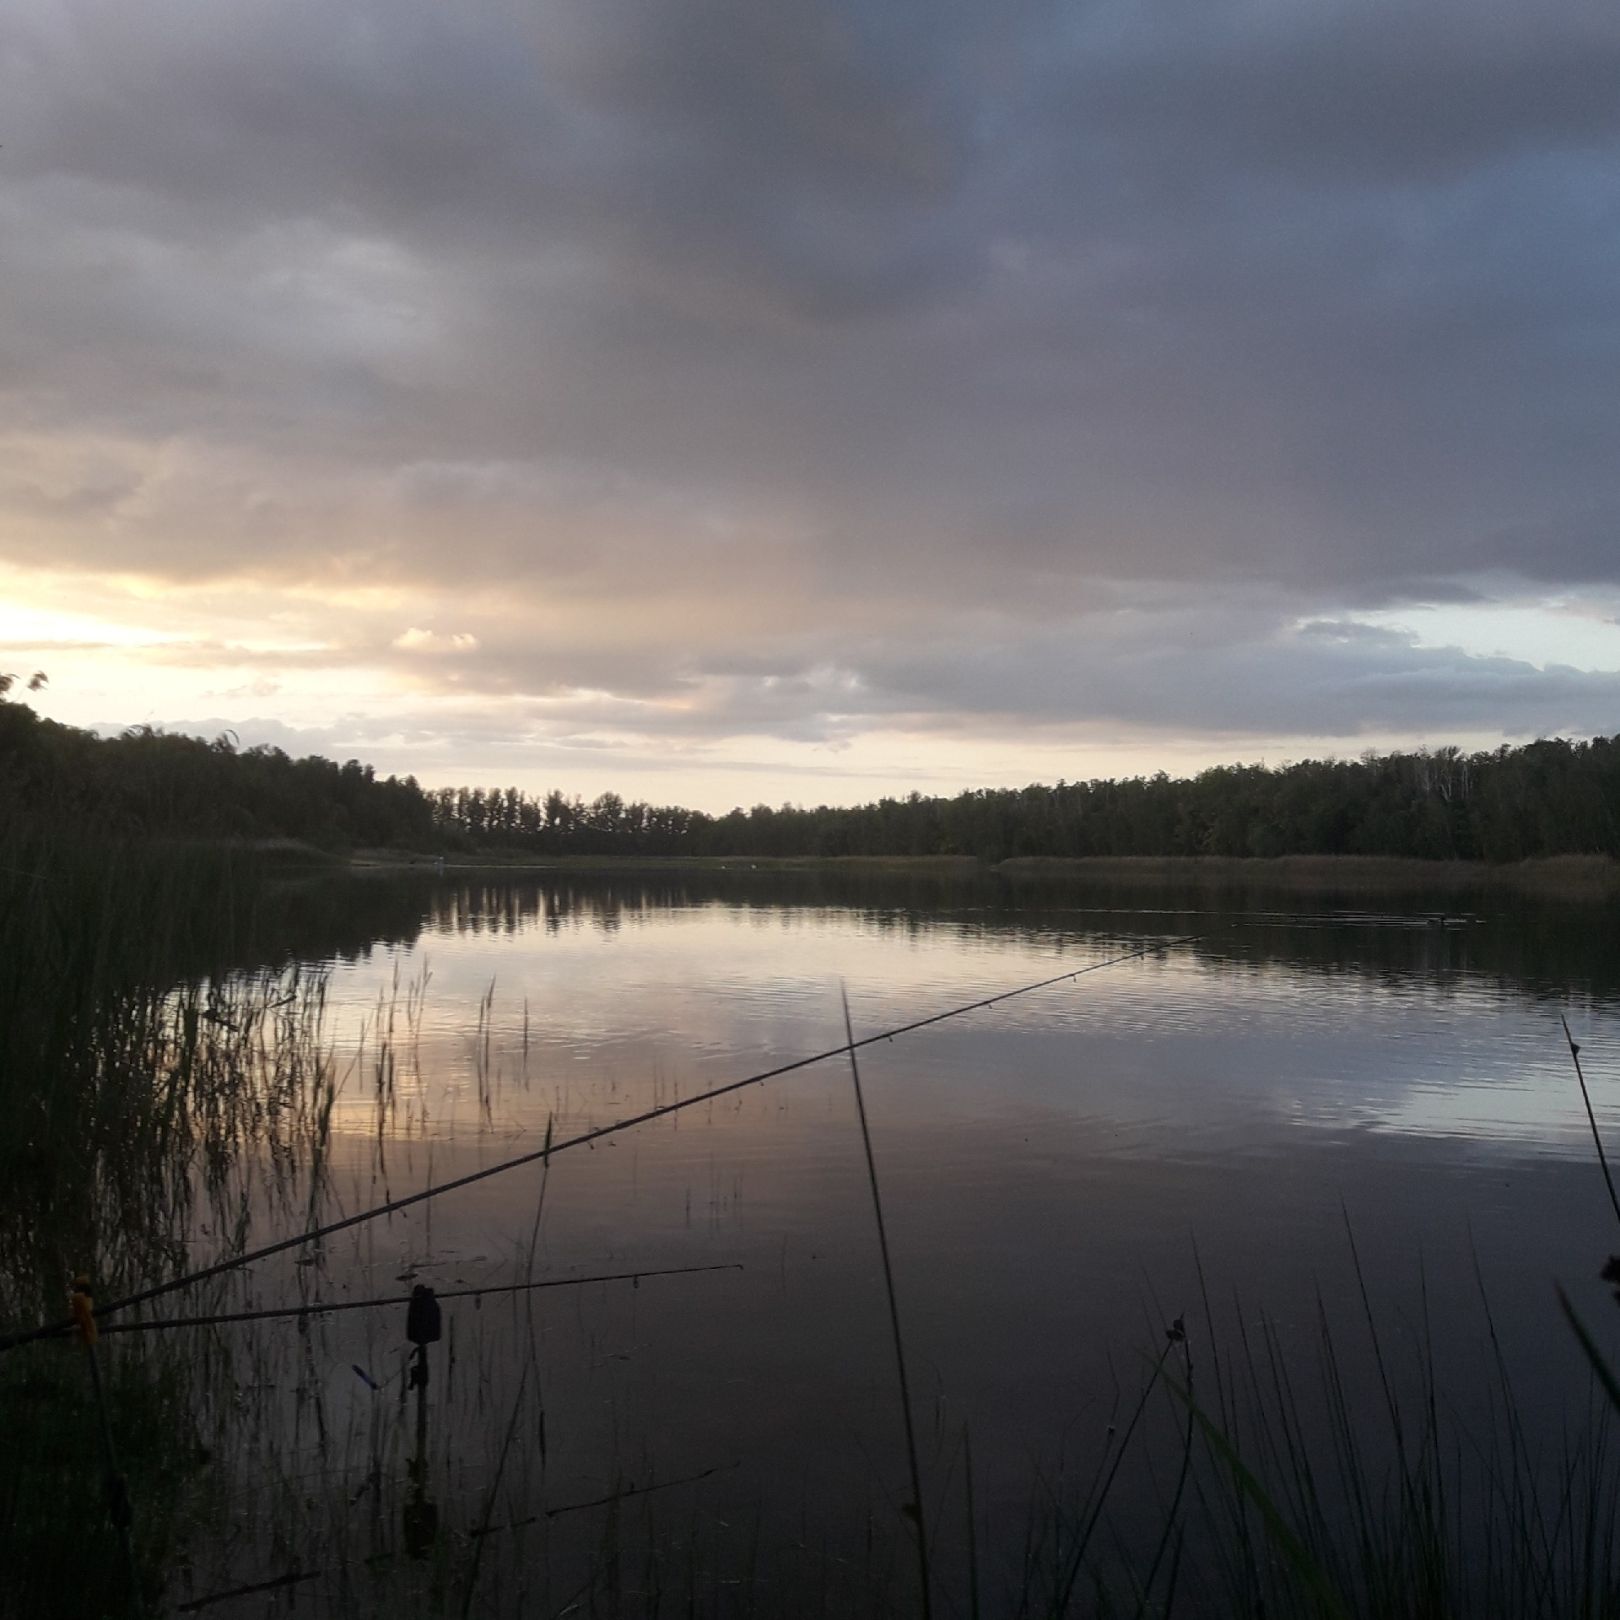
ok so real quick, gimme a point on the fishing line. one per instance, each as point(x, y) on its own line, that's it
point(324, 1307)
point(316, 1234)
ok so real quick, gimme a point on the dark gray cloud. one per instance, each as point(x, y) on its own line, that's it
point(710, 355)
point(1378, 93)
point(1286, 685)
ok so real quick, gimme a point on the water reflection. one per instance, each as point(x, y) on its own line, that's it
point(1548, 949)
point(570, 997)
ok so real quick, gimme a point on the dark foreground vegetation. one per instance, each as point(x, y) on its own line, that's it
point(154, 1070)
point(1547, 798)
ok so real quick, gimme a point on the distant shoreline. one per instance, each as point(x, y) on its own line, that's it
point(1569, 876)
point(1575, 876)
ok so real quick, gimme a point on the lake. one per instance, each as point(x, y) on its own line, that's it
point(1317, 1112)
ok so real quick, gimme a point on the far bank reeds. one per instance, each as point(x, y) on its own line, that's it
point(1565, 877)
point(1573, 877)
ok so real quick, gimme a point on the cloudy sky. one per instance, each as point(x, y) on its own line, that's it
point(726, 400)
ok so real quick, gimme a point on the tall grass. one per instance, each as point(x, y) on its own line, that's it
point(1342, 1480)
point(138, 1067)
point(1319, 1496)
point(154, 1098)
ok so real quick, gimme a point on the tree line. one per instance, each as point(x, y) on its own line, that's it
point(151, 783)
point(1550, 797)
point(1546, 798)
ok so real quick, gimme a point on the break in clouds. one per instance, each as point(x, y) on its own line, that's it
point(702, 371)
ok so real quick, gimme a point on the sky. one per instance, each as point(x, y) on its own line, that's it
point(727, 401)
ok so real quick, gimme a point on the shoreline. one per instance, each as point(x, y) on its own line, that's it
point(1573, 876)
point(1592, 877)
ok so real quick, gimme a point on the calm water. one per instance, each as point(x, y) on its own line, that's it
point(1056, 1172)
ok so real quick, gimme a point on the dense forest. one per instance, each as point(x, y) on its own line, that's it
point(1546, 798)
point(149, 783)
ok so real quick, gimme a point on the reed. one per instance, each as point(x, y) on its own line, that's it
point(153, 1088)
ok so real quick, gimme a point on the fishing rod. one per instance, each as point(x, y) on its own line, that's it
point(325, 1307)
point(597, 1134)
